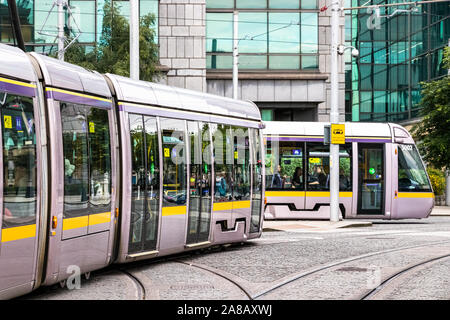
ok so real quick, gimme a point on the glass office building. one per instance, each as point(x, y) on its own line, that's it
point(284, 51)
point(274, 34)
point(39, 22)
point(383, 83)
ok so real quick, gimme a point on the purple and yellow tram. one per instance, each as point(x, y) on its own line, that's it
point(99, 169)
point(381, 174)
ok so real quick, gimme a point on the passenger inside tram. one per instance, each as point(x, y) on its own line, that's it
point(318, 178)
point(297, 179)
point(277, 179)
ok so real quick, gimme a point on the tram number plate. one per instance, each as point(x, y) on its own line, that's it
point(337, 133)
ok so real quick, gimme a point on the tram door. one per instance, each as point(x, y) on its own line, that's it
point(371, 181)
point(145, 184)
point(199, 215)
point(18, 199)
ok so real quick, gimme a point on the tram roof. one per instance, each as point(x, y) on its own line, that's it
point(18, 66)
point(365, 129)
point(68, 76)
point(150, 93)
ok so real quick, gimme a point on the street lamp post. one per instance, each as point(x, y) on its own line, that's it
point(334, 113)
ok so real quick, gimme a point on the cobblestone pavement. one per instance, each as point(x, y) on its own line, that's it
point(292, 264)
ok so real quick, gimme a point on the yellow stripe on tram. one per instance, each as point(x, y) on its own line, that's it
point(241, 204)
point(285, 193)
point(415, 195)
point(173, 211)
point(326, 194)
point(99, 218)
point(230, 205)
point(18, 233)
point(19, 83)
point(223, 206)
point(74, 223)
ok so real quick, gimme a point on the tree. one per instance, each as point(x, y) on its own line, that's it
point(112, 53)
point(433, 132)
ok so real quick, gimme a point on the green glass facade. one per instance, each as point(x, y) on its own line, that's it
point(39, 28)
point(383, 83)
point(274, 34)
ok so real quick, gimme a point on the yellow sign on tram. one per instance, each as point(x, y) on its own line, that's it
point(337, 133)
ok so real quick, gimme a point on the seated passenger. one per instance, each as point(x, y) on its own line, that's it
point(297, 179)
point(344, 181)
point(318, 178)
point(277, 180)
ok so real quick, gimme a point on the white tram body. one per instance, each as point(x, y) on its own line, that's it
point(382, 175)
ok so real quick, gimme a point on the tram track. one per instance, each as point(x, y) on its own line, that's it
point(313, 271)
point(411, 269)
point(139, 285)
point(338, 263)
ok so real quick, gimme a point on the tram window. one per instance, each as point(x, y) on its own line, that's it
point(19, 160)
point(145, 183)
point(412, 176)
point(223, 161)
point(100, 156)
point(174, 163)
point(257, 179)
point(241, 172)
point(87, 160)
point(284, 165)
point(345, 167)
point(318, 167)
point(138, 177)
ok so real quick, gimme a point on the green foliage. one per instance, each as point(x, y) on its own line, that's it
point(437, 179)
point(112, 53)
point(433, 132)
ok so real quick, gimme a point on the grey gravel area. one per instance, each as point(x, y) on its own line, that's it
point(110, 285)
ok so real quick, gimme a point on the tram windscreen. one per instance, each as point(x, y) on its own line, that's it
point(412, 176)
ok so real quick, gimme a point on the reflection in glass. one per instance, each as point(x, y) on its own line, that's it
point(253, 32)
point(219, 32)
point(309, 32)
point(200, 184)
point(412, 176)
point(256, 162)
point(145, 183)
point(174, 162)
point(19, 160)
point(87, 160)
point(223, 163)
point(284, 32)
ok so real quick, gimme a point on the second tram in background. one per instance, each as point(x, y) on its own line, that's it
point(381, 174)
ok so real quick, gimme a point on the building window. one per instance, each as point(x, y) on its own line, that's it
point(273, 34)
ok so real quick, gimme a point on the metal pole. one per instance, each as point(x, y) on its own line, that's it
point(334, 113)
point(15, 21)
point(60, 4)
point(447, 172)
point(134, 39)
point(235, 54)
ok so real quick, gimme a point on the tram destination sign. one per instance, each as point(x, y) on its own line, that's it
point(337, 133)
